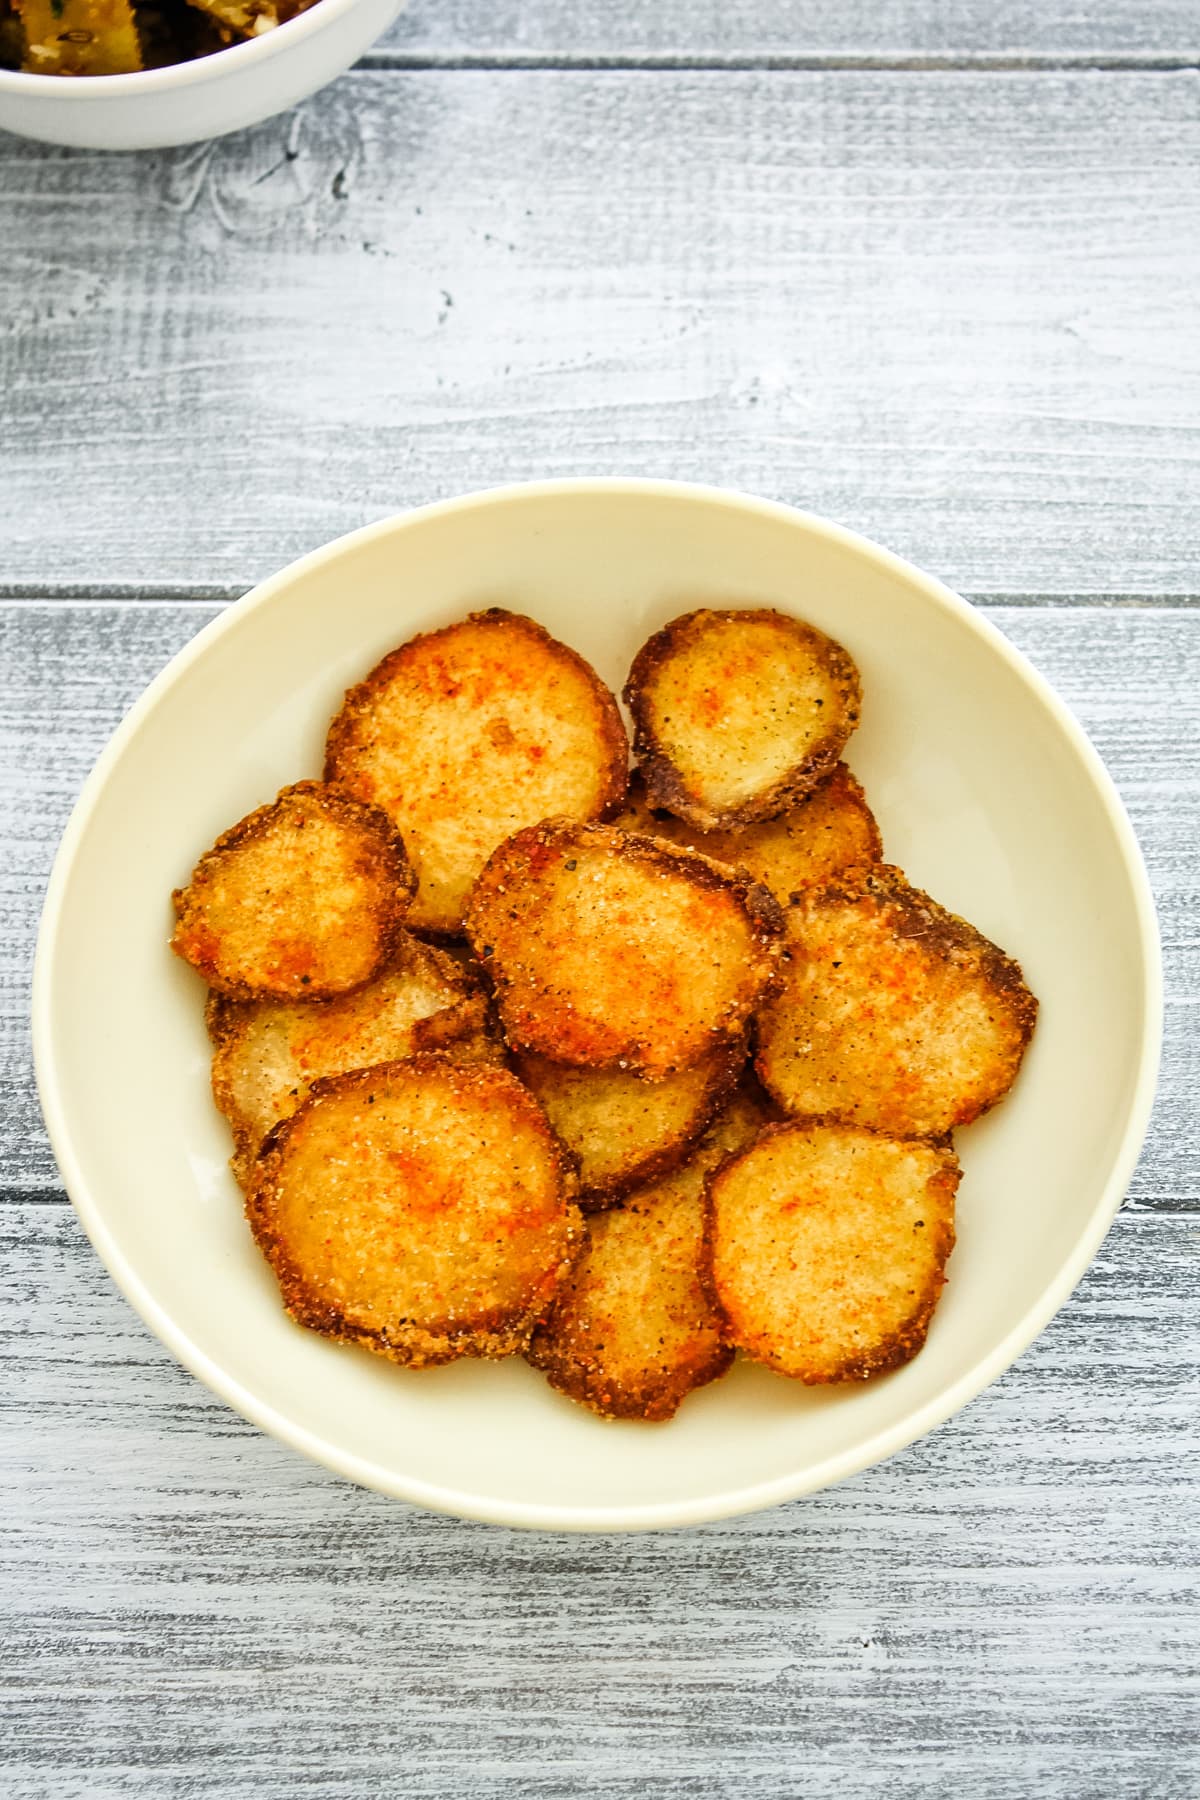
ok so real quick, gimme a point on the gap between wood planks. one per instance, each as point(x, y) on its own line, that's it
point(773, 62)
point(166, 593)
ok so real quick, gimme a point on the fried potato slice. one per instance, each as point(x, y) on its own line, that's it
point(268, 1053)
point(624, 1130)
point(465, 736)
point(830, 829)
point(737, 715)
point(633, 1330)
point(79, 37)
point(826, 1247)
point(420, 1209)
point(303, 899)
point(892, 1013)
point(608, 950)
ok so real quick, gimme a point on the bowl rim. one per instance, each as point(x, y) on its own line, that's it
point(195, 70)
point(735, 1500)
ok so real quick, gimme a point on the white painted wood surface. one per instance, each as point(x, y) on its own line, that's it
point(960, 312)
point(956, 309)
point(839, 32)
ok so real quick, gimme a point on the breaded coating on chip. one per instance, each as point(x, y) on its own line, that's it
point(830, 829)
point(303, 899)
point(420, 1209)
point(268, 1053)
point(610, 950)
point(737, 715)
point(466, 735)
point(624, 1130)
point(826, 1247)
point(633, 1329)
point(892, 1013)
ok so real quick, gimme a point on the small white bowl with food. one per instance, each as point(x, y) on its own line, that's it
point(586, 1119)
point(148, 74)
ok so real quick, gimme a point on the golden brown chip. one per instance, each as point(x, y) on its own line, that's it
point(635, 1332)
point(892, 1013)
point(268, 1053)
point(303, 899)
point(420, 1209)
point(633, 1329)
point(610, 950)
point(737, 715)
point(624, 1130)
point(744, 1115)
point(826, 1247)
point(830, 829)
point(80, 37)
point(466, 735)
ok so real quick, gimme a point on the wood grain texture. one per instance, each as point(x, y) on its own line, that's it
point(957, 311)
point(838, 30)
point(1131, 675)
point(1008, 1608)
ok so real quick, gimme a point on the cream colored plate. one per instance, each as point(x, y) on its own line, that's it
point(987, 793)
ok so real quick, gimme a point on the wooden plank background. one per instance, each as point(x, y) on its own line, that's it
point(929, 268)
point(841, 33)
point(940, 307)
point(1001, 1610)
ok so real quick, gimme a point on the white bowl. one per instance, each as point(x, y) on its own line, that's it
point(987, 793)
point(193, 100)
